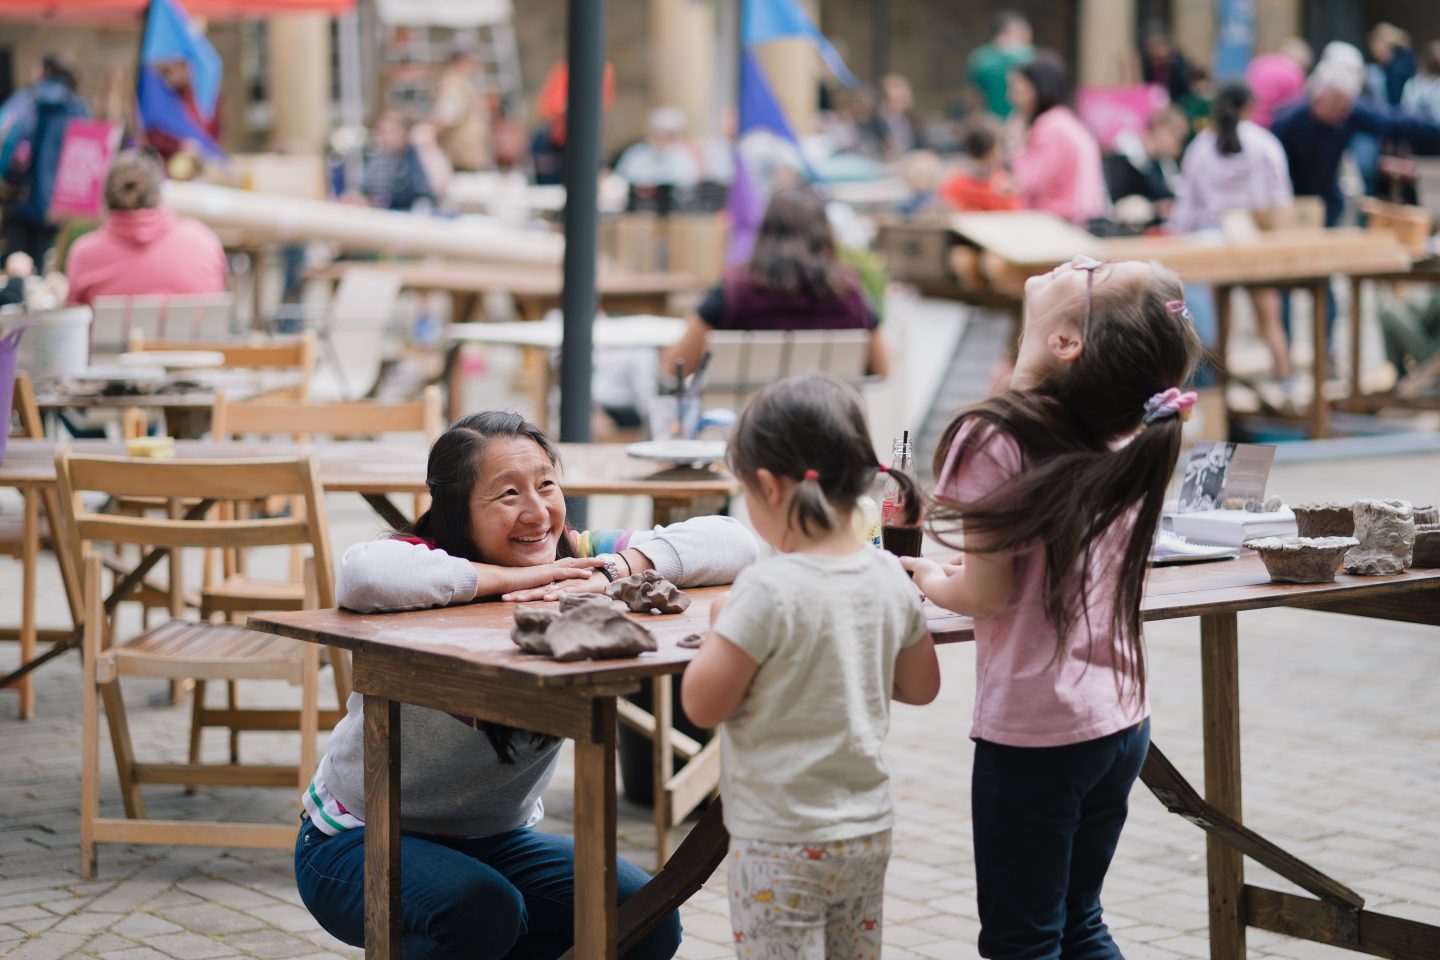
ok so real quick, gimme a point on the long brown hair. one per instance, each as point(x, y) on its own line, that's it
point(1075, 484)
point(795, 250)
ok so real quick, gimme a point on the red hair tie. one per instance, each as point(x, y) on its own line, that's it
point(882, 468)
point(812, 475)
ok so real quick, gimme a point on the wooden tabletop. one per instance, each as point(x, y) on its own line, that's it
point(237, 385)
point(387, 466)
point(475, 640)
point(518, 280)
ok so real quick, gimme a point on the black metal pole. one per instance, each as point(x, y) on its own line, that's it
point(582, 167)
point(880, 13)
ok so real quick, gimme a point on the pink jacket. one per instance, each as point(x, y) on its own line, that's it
point(1058, 168)
point(149, 251)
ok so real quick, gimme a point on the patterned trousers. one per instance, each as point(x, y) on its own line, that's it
point(808, 902)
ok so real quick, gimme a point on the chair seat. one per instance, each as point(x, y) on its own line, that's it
point(240, 593)
point(204, 651)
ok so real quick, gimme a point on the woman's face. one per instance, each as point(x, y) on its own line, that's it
point(1020, 92)
point(517, 509)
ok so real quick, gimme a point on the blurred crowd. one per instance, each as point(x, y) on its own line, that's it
point(1294, 124)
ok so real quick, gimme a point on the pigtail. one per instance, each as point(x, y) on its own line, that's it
point(810, 505)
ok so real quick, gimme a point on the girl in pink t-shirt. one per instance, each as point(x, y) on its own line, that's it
point(1057, 485)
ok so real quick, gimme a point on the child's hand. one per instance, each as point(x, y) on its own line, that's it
point(928, 573)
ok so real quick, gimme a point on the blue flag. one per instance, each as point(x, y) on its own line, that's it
point(764, 20)
point(170, 35)
point(162, 109)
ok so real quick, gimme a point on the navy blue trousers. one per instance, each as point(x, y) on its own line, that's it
point(1047, 820)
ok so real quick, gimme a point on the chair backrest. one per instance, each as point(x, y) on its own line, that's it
point(302, 420)
point(257, 353)
point(208, 316)
point(22, 405)
point(744, 361)
point(237, 481)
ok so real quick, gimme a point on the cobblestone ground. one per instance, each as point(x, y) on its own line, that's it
point(1341, 740)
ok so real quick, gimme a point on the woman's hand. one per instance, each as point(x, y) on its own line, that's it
point(595, 583)
point(509, 581)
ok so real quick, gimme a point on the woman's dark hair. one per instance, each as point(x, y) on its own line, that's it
point(451, 474)
point(812, 429)
point(55, 66)
point(1047, 74)
point(1075, 486)
point(795, 250)
point(1227, 110)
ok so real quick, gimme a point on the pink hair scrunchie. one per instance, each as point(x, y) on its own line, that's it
point(1168, 404)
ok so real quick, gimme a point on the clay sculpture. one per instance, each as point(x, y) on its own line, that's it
point(1325, 520)
point(646, 591)
point(691, 641)
point(569, 601)
point(587, 630)
point(1301, 559)
point(1386, 531)
point(1427, 546)
point(1426, 516)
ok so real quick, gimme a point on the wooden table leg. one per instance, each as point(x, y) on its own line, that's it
point(382, 829)
point(1356, 287)
point(1221, 359)
point(662, 698)
point(29, 560)
point(1220, 678)
point(596, 926)
point(1319, 409)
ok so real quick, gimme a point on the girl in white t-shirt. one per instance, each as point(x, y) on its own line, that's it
point(798, 670)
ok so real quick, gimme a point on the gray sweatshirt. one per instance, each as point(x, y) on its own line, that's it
point(451, 781)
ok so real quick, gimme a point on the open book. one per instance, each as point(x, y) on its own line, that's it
point(1171, 547)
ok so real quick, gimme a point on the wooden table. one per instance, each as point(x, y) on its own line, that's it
point(186, 412)
point(535, 289)
point(460, 659)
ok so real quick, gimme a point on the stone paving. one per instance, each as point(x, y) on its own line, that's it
point(1341, 740)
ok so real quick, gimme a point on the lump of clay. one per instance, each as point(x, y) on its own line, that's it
point(1427, 546)
point(599, 631)
point(648, 591)
point(1274, 504)
point(691, 641)
point(1233, 503)
point(1386, 531)
point(1325, 520)
point(569, 601)
point(531, 624)
point(1254, 506)
point(1301, 559)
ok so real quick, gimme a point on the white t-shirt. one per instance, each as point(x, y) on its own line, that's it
point(801, 757)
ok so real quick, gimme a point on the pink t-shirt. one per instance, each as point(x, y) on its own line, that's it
point(1023, 696)
point(1059, 169)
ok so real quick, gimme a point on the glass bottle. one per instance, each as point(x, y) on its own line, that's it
point(900, 534)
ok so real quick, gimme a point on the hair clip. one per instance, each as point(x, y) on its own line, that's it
point(812, 475)
point(882, 468)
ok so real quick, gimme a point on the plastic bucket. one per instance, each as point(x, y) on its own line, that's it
point(9, 345)
point(59, 345)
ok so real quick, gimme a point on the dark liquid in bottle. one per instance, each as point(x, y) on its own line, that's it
point(902, 541)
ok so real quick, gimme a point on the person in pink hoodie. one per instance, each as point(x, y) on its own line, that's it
point(143, 248)
point(1057, 162)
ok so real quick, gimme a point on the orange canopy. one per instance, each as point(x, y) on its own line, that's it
point(130, 11)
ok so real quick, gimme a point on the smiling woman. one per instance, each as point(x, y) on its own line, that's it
point(476, 879)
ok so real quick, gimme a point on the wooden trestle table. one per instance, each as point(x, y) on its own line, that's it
point(461, 660)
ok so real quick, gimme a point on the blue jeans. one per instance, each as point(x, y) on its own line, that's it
point(506, 897)
point(1047, 820)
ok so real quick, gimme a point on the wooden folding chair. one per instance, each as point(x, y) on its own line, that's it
point(261, 353)
point(301, 422)
point(179, 649)
point(22, 538)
